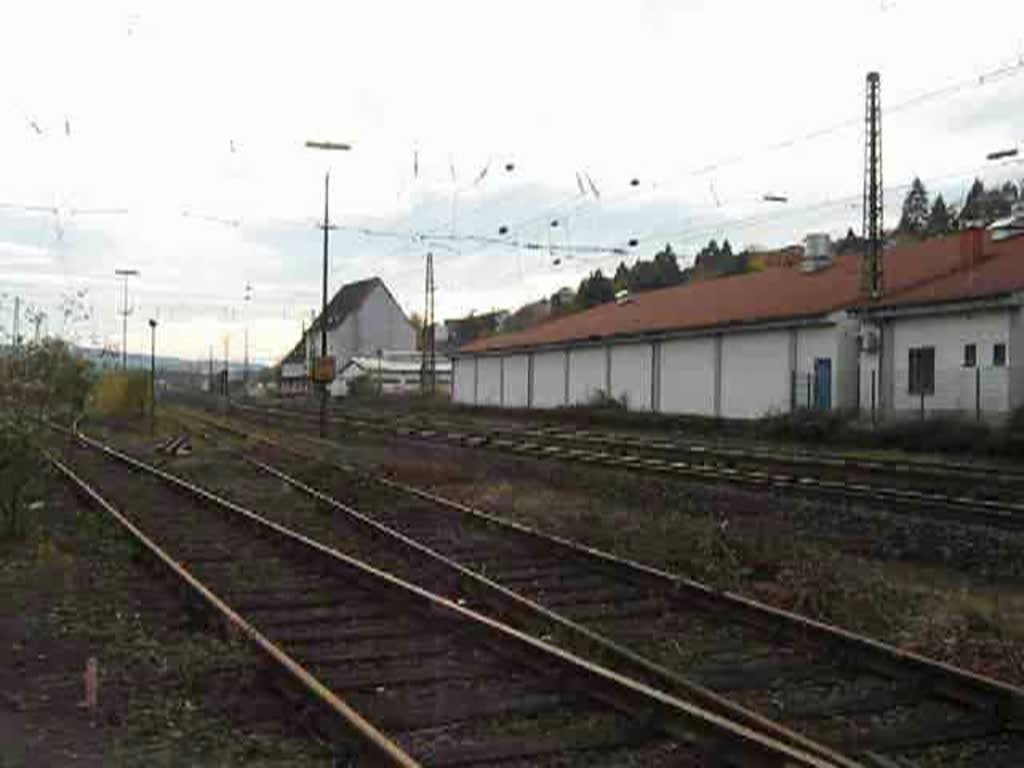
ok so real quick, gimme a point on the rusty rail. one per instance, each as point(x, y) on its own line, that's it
point(736, 744)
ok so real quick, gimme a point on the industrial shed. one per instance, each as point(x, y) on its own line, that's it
point(735, 347)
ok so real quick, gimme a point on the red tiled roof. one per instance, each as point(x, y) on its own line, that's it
point(910, 271)
point(1000, 271)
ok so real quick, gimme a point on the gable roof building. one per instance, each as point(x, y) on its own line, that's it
point(749, 344)
point(361, 318)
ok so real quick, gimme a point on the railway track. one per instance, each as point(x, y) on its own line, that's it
point(979, 479)
point(863, 699)
point(403, 676)
point(1001, 513)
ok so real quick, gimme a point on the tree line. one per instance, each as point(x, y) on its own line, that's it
point(923, 218)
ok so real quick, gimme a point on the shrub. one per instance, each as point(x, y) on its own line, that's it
point(939, 433)
point(603, 400)
point(805, 424)
point(48, 377)
point(20, 474)
point(121, 394)
point(363, 385)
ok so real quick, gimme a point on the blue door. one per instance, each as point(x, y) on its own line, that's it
point(823, 383)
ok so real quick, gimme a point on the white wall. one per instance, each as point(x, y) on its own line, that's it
point(755, 373)
point(462, 388)
point(688, 376)
point(378, 323)
point(549, 379)
point(954, 384)
point(586, 373)
point(631, 375)
point(488, 386)
point(811, 344)
point(516, 381)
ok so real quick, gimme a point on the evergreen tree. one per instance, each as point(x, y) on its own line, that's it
point(594, 289)
point(973, 209)
point(623, 279)
point(667, 267)
point(708, 254)
point(851, 243)
point(914, 220)
point(726, 252)
point(940, 222)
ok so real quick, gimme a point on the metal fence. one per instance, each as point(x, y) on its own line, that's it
point(978, 392)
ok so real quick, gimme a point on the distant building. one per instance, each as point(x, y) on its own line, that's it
point(295, 370)
point(362, 318)
point(790, 256)
point(463, 330)
point(391, 372)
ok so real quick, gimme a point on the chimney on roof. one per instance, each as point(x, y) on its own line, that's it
point(817, 252)
point(972, 247)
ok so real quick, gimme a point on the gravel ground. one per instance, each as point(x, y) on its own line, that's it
point(169, 693)
point(951, 592)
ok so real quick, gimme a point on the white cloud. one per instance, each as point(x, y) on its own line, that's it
point(156, 94)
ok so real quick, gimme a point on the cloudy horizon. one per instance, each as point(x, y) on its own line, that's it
point(169, 139)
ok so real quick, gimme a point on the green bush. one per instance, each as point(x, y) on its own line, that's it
point(805, 424)
point(47, 376)
point(363, 385)
point(945, 434)
point(21, 471)
point(120, 394)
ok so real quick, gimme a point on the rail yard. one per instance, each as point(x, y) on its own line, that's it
point(401, 625)
point(544, 385)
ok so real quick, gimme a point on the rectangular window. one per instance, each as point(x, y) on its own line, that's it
point(999, 354)
point(922, 371)
point(970, 355)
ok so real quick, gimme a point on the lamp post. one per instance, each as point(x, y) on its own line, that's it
point(124, 274)
point(245, 370)
point(330, 146)
point(152, 375)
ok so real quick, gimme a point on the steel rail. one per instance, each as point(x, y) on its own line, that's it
point(998, 514)
point(948, 680)
point(733, 743)
point(925, 468)
point(379, 750)
point(609, 652)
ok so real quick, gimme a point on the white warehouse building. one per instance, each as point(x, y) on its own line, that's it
point(780, 339)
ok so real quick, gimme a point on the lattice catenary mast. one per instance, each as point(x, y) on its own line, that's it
point(874, 232)
point(429, 354)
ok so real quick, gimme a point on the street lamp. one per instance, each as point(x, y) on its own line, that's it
point(245, 370)
point(334, 146)
point(124, 274)
point(152, 375)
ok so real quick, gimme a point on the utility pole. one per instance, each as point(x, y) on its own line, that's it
point(245, 373)
point(124, 274)
point(874, 227)
point(227, 368)
point(17, 322)
point(429, 357)
point(323, 308)
point(152, 376)
point(330, 146)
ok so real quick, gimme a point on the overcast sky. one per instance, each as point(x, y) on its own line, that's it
point(168, 137)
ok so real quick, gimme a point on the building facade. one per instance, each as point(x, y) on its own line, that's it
point(361, 319)
point(783, 339)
